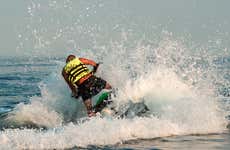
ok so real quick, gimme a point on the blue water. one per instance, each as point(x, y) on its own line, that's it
point(19, 80)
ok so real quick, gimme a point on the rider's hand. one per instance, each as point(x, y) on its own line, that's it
point(74, 95)
point(95, 68)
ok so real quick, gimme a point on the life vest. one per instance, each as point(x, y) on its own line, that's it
point(75, 70)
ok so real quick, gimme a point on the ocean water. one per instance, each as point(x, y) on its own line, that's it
point(179, 66)
point(38, 113)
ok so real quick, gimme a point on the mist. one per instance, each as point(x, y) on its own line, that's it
point(55, 28)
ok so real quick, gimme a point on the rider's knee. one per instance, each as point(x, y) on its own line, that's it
point(108, 86)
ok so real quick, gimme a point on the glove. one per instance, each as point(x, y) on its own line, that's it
point(95, 68)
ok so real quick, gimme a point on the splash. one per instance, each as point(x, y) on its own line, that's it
point(156, 74)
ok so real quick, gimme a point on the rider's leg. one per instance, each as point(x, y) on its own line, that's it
point(89, 107)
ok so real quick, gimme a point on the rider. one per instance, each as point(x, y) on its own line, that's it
point(82, 81)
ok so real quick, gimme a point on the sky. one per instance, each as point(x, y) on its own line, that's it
point(12, 14)
point(24, 32)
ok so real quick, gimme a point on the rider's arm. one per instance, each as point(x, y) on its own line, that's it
point(88, 62)
point(71, 86)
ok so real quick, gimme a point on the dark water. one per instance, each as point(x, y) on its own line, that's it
point(199, 142)
point(215, 141)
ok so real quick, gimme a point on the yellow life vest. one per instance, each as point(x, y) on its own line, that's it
point(76, 70)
